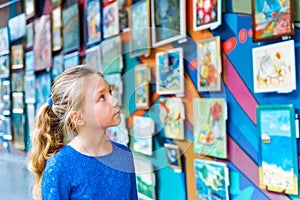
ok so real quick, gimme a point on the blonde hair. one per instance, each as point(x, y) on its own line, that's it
point(52, 121)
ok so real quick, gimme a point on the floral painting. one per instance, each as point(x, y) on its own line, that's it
point(210, 116)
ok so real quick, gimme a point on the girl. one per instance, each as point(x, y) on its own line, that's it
point(88, 167)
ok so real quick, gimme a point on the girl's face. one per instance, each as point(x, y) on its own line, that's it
point(101, 109)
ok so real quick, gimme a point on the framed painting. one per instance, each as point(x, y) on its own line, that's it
point(173, 156)
point(71, 28)
point(93, 21)
point(18, 102)
point(4, 41)
point(29, 88)
point(119, 133)
point(56, 18)
point(4, 66)
point(56, 39)
point(5, 127)
point(42, 45)
point(93, 58)
point(71, 60)
point(17, 56)
point(168, 21)
point(212, 179)
point(210, 116)
point(171, 114)
point(57, 67)
point(30, 123)
point(29, 35)
point(206, 14)
point(17, 27)
point(29, 8)
point(55, 2)
point(116, 84)
point(209, 64)
point(111, 55)
point(123, 15)
point(145, 179)
point(6, 88)
point(17, 81)
point(140, 41)
point(169, 72)
point(278, 160)
point(274, 67)
point(18, 127)
point(143, 130)
point(272, 19)
point(42, 88)
point(110, 24)
point(29, 62)
point(142, 89)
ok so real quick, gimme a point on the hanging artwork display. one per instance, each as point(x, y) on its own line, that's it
point(274, 67)
point(4, 41)
point(17, 81)
point(142, 78)
point(42, 43)
point(139, 17)
point(206, 14)
point(42, 88)
point(29, 35)
point(110, 13)
point(272, 19)
point(210, 116)
point(169, 72)
point(18, 102)
point(123, 15)
point(29, 88)
point(18, 127)
point(209, 64)
point(17, 56)
point(93, 21)
point(168, 21)
point(116, 83)
point(5, 127)
point(4, 66)
point(172, 117)
point(119, 133)
point(71, 28)
point(143, 130)
point(212, 179)
point(58, 66)
point(17, 27)
point(278, 161)
point(93, 58)
point(173, 156)
point(29, 8)
point(71, 60)
point(29, 62)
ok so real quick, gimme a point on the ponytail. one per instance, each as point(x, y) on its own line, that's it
point(47, 138)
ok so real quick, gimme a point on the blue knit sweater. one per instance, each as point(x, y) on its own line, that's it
point(72, 175)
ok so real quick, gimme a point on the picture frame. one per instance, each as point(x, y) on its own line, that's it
point(110, 13)
point(56, 17)
point(17, 81)
point(17, 56)
point(210, 115)
point(29, 35)
point(29, 8)
point(272, 21)
point(56, 39)
point(123, 15)
point(169, 72)
point(71, 60)
point(142, 88)
point(274, 67)
point(145, 179)
point(5, 127)
point(278, 167)
point(4, 66)
point(111, 55)
point(116, 84)
point(211, 178)
point(171, 114)
point(143, 130)
point(42, 45)
point(55, 2)
point(166, 16)
point(4, 41)
point(6, 88)
point(18, 102)
point(30, 123)
point(93, 21)
point(93, 58)
point(173, 156)
point(71, 28)
point(209, 64)
point(118, 133)
point(42, 88)
point(18, 128)
point(29, 88)
point(206, 14)
point(29, 62)
point(17, 27)
point(6, 106)
point(140, 35)
point(58, 66)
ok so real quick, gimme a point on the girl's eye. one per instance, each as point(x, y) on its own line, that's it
point(101, 98)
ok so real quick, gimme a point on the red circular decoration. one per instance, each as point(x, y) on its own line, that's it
point(194, 64)
point(243, 35)
point(229, 45)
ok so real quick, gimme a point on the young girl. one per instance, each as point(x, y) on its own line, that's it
point(88, 167)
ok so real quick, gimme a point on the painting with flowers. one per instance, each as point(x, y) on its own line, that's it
point(272, 19)
point(209, 64)
point(172, 117)
point(206, 14)
point(274, 67)
point(210, 116)
point(278, 160)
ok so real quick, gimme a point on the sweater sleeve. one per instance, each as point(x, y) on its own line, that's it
point(133, 190)
point(55, 185)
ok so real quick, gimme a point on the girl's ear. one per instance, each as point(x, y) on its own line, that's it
point(76, 118)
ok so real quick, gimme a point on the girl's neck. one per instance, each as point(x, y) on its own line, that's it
point(91, 146)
